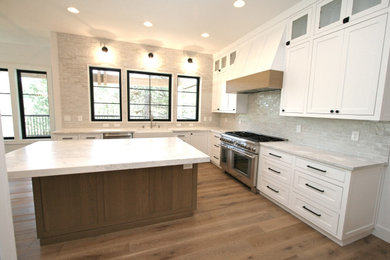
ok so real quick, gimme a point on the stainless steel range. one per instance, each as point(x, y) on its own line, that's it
point(240, 155)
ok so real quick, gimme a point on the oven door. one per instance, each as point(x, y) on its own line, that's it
point(244, 166)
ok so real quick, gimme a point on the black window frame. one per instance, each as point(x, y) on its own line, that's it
point(91, 93)
point(169, 98)
point(8, 137)
point(21, 103)
point(197, 98)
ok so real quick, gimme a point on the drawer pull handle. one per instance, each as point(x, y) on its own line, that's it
point(318, 215)
point(90, 137)
point(216, 157)
point(314, 168)
point(314, 188)
point(216, 136)
point(272, 170)
point(181, 136)
point(277, 156)
point(216, 145)
point(67, 138)
point(272, 189)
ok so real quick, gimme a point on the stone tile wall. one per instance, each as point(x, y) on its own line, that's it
point(77, 52)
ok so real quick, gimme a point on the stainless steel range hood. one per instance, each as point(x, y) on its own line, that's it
point(259, 65)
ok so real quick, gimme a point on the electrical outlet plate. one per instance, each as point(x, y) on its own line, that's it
point(187, 166)
point(298, 129)
point(80, 118)
point(355, 136)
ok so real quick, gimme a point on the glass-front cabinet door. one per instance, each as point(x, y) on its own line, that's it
point(299, 27)
point(359, 8)
point(330, 13)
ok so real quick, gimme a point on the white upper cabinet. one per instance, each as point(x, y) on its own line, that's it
point(296, 78)
point(325, 78)
point(299, 27)
point(362, 54)
point(330, 14)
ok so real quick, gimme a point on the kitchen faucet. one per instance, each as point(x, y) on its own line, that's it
point(151, 121)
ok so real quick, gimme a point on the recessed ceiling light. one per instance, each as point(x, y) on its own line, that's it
point(239, 3)
point(73, 10)
point(205, 35)
point(148, 24)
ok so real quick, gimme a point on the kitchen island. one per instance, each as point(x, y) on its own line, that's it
point(90, 187)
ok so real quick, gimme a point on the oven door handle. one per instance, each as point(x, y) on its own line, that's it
point(252, 156)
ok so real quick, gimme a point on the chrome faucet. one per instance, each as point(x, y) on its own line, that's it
point(151, 121)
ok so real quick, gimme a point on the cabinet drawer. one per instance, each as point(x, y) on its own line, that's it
point(321, 169)
point(274, 170)
point(276, 155)
point(67, 137)
point(215, 139)
point(90, 136)
point(319, 216)
point(318, 190)
point(276, 191)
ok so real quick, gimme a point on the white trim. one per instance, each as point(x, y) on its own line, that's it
point(382, 233)
point(7, 235)
point(56, 89)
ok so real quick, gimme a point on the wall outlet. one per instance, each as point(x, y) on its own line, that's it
point(79, 118)
point(298, 129)
point(239, 121)
point(67, 118)
point(205, 119)
point(210, 118)
point(355, 136)
point(225, 119)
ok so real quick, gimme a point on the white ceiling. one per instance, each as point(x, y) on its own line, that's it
point(177, 24)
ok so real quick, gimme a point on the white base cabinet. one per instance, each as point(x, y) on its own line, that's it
point(339, 203)
point(86, 136)
point(214, 148)
point(198, 139)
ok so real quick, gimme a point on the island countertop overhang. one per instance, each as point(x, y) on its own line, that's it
point(50, 158)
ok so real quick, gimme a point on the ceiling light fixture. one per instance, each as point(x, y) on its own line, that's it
point(104, 48)
point(190, 60)
point(73, 10)
point(239, 3)
point(150, 55)
point(148, 24)
point(205, 35)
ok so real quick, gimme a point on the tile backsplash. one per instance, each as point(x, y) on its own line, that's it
point(328, 134)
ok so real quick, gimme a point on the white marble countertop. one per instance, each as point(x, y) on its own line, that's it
point(49, 158)
point(338, 160)
point(136, 130)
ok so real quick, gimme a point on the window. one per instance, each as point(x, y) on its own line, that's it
point(106, 94)
point(149, 96)
point(187, 98)
point(34, 104)
point(5, 105)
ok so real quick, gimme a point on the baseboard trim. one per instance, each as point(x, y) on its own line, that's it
point(382, 233)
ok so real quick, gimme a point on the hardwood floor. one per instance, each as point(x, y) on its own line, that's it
point(230, 223)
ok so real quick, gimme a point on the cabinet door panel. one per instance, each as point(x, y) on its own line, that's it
point(363, 55)
point(325, 78)
point(296, 78)
point(299, 27)
point(199, 141)
point(359, 8)
point(330, 14)
point(215, 103)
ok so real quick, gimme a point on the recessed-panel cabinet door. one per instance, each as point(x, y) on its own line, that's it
point(363, 55)
point(296, 78)
point(216, 96)
point(299, 27)
point(326, 71)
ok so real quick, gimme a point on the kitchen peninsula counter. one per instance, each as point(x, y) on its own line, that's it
point(90, 187)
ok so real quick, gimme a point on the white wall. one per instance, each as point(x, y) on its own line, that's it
point(15, 53)
point(7, 236)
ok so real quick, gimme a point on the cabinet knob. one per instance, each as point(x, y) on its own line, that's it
point(234, 109)
point(219, 70)
point(346, 20)
point(337, 111)
point(283, 110)
point(288, 43)
point(218, 109)
point(332, 111)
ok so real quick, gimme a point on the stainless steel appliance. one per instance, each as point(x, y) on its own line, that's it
point(240, 155)
point(118, 135)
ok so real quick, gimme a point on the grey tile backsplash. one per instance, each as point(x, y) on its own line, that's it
point(328, 134)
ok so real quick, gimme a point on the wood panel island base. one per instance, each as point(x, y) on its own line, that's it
point(80, 205)
point(89, 187)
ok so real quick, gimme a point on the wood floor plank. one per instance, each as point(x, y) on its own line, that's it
point(231, 222)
